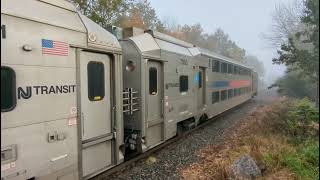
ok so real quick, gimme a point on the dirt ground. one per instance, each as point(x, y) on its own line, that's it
point(180, 160)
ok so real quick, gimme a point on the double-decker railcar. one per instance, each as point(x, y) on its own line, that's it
point(61, 84)
point(170, 85)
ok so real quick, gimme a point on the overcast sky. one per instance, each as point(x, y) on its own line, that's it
point(243, 20)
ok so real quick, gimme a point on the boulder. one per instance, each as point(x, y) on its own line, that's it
point(244, 168)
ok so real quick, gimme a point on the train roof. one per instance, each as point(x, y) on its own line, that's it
point(63, 14)
point(197, 51)
point(151, 43)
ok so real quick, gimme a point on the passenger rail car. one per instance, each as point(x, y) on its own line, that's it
point(170, 86)
point(76, 101)
point(61, 105)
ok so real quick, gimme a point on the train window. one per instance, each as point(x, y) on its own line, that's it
point(224, 67)
point(215, 66)
point(230, 93)
point(200, 79)
point(153, 81)
point(230, 68)
point(238, 91)
point(235, 93)
point(224, 95)
point(184, 83)
point(95, 81)
point(8, 86)
point(242, 91)
point(215, 97)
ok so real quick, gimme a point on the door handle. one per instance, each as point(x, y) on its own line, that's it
point(82, 122)
point(162, 107)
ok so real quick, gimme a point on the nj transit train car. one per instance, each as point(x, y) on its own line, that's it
point(61, 92)
point(170, 86)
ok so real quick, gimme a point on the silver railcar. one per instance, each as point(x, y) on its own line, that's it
point(61, 84)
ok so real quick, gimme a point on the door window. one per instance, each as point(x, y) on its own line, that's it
point(96, 82)
point(184, 84)
point(153, 81)
point(8, 85)
point(200, 79)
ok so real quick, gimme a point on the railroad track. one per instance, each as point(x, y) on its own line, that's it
point(129, 163)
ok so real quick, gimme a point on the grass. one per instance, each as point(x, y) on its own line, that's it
point(304, 162)
point(283, 139)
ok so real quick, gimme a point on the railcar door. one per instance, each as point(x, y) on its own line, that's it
point(95, 112)
point(154, 103)
point(201, 87)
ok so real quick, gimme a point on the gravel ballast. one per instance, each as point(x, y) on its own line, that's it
point(165, 164)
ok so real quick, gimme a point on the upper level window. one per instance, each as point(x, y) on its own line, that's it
point(184, 83)
point(215, 66)
point(230, 68)
point(215, 97)
point(8, 86)
point(153, 81)
point(224, 67)
point(96, 81)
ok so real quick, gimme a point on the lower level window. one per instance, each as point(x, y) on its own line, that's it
point(8, 94)
point(215, 97)
point(224, 95)
point(230, 93)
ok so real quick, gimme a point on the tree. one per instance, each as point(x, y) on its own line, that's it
point(141, 15)
point(296, 85)
point(103, 12)
point(301, 52)
point(286, 21)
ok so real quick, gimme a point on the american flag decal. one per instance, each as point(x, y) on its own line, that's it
point(55, 47)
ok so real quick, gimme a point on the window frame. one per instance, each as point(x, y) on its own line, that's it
point(150, 68)
point(104, 82)
point(14, 85)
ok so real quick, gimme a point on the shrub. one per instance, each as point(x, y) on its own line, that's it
point(302, 121)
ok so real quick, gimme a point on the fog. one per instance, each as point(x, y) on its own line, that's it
point(244, 21)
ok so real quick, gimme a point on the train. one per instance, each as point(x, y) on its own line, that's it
point(77, 101)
